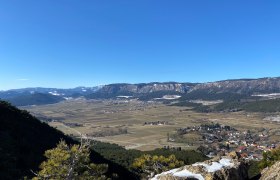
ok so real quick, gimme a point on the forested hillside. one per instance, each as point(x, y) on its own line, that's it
point(24, 139)
point(125, 158)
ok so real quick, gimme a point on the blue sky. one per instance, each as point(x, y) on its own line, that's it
point(68, 43)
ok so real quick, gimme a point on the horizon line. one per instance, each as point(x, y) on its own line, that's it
point(73, 87)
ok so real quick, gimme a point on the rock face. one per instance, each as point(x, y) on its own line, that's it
point(241, 86)
point(220, 168)
point(146, 88)
point(263, 85)
point(271, 173)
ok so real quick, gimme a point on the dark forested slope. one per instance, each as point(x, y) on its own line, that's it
point(23, 141)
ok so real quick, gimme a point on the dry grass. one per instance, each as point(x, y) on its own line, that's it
point(96, 115)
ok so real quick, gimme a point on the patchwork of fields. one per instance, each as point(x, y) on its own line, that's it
point(122, 121)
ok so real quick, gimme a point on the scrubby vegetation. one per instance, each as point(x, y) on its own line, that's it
point(253, 170)
point(272, 105)
point(125, 158)
point(70, 162)
point(148, 166)
point(269, 158)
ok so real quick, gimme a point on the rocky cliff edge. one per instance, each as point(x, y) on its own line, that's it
point(229, 167)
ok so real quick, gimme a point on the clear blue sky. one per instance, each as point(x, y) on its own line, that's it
point(68, 43)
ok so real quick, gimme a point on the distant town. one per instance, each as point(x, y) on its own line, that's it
point(221, 139)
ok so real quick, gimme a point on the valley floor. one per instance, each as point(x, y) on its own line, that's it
point(141, 125)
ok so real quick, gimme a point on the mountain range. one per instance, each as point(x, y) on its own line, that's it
point(40, 96)
point(146, 91)
point(241, 86)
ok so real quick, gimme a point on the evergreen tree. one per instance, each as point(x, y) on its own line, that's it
point(269, 158)
point(148, 165)
point(70, 163)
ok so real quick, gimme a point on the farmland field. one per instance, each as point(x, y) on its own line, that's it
point(122, 121)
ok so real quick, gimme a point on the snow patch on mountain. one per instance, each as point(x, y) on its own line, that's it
point(55, 93)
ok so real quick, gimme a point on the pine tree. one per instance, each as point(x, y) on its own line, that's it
point(269, 158)
point(148, 165)
point(70, 163)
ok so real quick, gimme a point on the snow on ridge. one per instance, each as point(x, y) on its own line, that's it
point(54, 93)
point(184, 173)
point(180, 173)
point(215, 166)
point(266, 95)
point(124, 97)
point(68, 98)
point(169, 97)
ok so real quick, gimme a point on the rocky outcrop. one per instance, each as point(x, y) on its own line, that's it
point(219, 168)
point(146, 88)
point(271, 173)
point(242, 86)
point(263, 85)
point(247, 87)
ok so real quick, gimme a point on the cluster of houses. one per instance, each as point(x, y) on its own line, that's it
point(72, 125)
point(221, 139)
point(156, 123)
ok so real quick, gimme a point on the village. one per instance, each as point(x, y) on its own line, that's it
point(156, 123)
point(221, 139)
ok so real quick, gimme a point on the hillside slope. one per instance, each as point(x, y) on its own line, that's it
point(24, 140)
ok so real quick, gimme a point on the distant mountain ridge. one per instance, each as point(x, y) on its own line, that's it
point(150, 90)
point(148, 87)
point(40, 96)
point(54, 91)
point(147, 91)
point(262, 85)
point(238, 86)
point(35, 99)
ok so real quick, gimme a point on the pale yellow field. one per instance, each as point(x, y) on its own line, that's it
point(96, 116)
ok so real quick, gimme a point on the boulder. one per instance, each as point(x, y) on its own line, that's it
point(229, 167)
point(271, 173)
